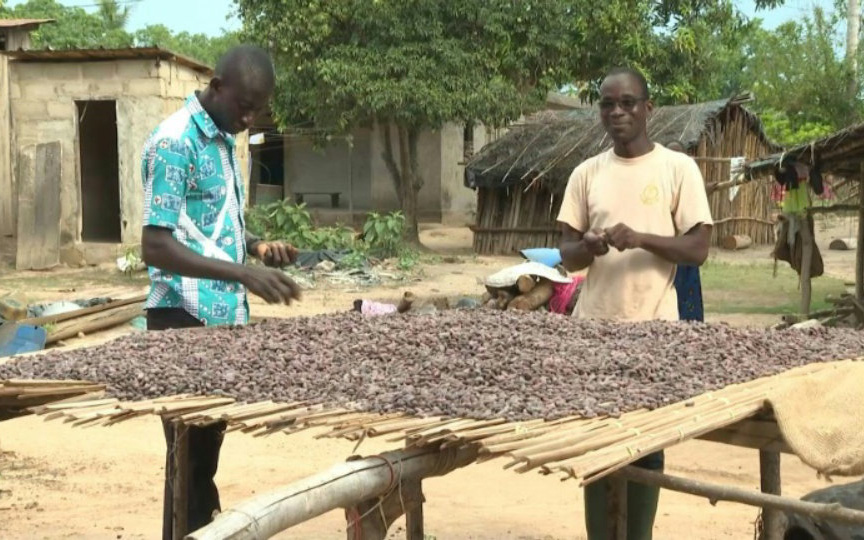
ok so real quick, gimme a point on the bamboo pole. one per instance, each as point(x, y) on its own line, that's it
point(342, 486)
point(715, 493)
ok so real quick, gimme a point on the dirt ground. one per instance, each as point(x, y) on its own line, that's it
point(57, 481)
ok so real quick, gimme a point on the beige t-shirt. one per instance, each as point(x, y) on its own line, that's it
point(660, 193)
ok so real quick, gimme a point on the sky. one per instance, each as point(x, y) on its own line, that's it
point(194, 16)
point(211, 16)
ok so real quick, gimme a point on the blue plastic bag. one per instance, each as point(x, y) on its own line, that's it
point(550, 257)
point(20, 339)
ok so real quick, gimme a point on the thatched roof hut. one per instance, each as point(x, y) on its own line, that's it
point(521, 177)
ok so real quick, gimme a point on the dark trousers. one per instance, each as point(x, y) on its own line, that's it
point(641, 504)
point(204, 444)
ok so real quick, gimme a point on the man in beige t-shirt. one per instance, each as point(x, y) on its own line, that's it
point(630, 215)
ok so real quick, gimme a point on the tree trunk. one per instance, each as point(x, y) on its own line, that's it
point(406, 174)
point(853, 23)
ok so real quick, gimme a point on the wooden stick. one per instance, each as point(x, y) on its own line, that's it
point(715, 493)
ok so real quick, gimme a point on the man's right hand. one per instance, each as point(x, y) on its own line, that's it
point(595, 241)
point(270, 284)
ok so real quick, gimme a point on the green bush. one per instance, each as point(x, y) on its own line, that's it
point(292, 223)
point(383, 233)
point(287, 222)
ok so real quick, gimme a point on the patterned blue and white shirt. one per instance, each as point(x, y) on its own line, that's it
point(193, 186)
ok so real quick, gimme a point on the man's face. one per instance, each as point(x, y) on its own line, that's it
point(238, 103)
point(624, 108)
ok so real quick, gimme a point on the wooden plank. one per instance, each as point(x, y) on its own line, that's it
point(38, 239)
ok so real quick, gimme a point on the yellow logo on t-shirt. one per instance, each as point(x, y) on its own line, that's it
point(650, 195)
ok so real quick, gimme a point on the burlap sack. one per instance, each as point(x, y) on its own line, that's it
point(820, 416)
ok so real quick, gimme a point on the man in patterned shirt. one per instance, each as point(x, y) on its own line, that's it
point(195, 243)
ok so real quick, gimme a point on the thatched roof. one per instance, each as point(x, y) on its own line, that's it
point(550, 144)
point(840, 153)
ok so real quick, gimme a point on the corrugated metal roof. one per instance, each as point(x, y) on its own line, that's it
point(22, 23)
point(87, 55)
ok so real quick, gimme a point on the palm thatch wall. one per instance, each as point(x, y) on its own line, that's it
point(520, 178)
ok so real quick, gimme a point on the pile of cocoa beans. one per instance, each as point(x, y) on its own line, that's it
point(473, 364)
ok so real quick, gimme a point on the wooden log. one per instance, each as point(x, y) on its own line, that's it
point(94, 322)
point(843, 244)
point(715, 493)
point(52, 319)
point(343, 486)
point(533, 299)
point(736, 241)
point(769, 481)
point(525, 283)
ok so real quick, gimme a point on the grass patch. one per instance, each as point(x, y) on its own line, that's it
point(752, 288)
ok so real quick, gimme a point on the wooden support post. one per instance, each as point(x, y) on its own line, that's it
point(806, 265)
point(180, 481)
point(859, 250)
point(769, 479)
point(616, 506)
point(414, 515)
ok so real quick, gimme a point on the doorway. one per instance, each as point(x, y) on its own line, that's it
point(100, 171)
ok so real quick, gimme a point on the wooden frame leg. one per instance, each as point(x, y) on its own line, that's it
point(616, 506)
point(769, 480)
point(414, 530)
point(180, 482)
point(370, 520)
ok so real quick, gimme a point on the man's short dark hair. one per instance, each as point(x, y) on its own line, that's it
point(636, 74)
point(248, 63)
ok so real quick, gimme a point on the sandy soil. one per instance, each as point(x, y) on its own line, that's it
point(62, 482)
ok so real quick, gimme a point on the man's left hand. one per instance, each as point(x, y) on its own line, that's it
point(275, 254)
point(622, 237)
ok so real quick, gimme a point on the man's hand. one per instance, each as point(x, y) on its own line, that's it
point(275, 254)
point(622, 237)
point(270, 284)
point(596, 242)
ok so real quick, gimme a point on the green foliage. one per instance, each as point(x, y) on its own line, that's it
point(785, 130)
point(288, 222)
point(800, 79)
point(75, 28)
point(384, 233)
